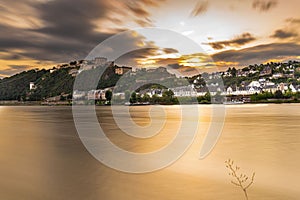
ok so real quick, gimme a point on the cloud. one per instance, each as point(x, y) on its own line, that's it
point(259, 54)
point(144, 22)
point(283, 34)
point(200, 8)
point(264, 5)
point(236, 42)
point(12, 69)
point(293, 20)
point(175, 66)
point(170, 50)
point(152, 54)
point(64, 30)
point(181, 70)
point(135, 7)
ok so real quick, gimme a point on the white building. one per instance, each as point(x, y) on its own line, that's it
point(100, 61)
point(32, 86)
point(254, 84)
point(292, 88)
point(184, 91)
point(229, 91)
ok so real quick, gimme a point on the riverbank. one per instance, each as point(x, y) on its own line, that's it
point(67, 103)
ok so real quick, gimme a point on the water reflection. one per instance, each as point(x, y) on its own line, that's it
point(41, 156)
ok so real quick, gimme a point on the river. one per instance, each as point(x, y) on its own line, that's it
point(42, 156)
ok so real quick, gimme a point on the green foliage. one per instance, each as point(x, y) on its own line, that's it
point(262, 96)
point(278, 95)
point(146, 98)
point(53, 84)
point(218, 98)
point(108, 95)
point(168, 97)
point(155, 99)
point(17, 86)
point(127, 95)
point(97, 78)
point(133, 98)
point(206, 99)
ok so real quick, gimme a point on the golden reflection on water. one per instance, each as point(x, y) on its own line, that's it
point(41, 156)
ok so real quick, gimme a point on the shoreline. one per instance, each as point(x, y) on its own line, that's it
point(39, 103)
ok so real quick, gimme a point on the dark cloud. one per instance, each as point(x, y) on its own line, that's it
point(236, 42)
point(141, 53)
point(170, 50)
point(175, 66)
point(181, 70)
point(200, 8)
point(283, 34)
point(132, 58)
point(70, 19)
point(264, 5)
point(58, 31)
point(12, 69)
point(259, 54)
point(69, 29)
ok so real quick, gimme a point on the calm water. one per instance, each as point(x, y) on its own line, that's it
point(42, 157)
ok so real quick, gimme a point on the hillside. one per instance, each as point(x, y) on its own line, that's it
point(17, 86)
point(60, 81)
point(50, 83)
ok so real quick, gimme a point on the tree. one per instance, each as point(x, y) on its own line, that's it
point(127, 95)
point(168, 97)
point(138, 98)
point(233, 72)
point(108, 95)
point(62, 98)
point(207, 97)
point(278, 94)
point(133, 98)
point(155, 99)
point(146, 98)
point(219, 98)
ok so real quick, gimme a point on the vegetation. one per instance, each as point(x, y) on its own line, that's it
point(108, 96)
point(239, 179)
point(277, 97)
point(59, 83)
point(52, 84)
point(17, 86)
point(206, 99)
point(91, 80)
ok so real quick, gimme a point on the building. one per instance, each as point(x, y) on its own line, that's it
point(266, 71)
point(100, 61)
point(32, 86)
point(73, 72)
point(293, 89)
point(254, 84)
point(122, 70)
point(277, 75)
point(282, 87)
point(79, 95)
point(184, 91)
point(229, 90)
point(270, 88)
point(96, 95)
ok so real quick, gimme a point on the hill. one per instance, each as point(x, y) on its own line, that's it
point(51, 83)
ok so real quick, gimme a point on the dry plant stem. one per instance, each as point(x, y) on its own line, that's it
point(240, 179)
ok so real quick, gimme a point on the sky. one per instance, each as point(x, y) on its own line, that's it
point(231, 33)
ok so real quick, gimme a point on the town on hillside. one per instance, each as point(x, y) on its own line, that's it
point(270, 82)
